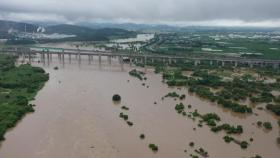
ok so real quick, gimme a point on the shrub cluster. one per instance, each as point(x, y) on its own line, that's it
point(116, 97)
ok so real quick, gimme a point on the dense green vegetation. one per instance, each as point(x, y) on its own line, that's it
point(243, 144)
point(175, 95)
point(210, 119)
point(228, 139)
point(228, 128)
point(235, 90)
point(137, 74)
point(208, 82)
point(172, 94)
point(180, 108)
point(18, 85)
point(194, 156)
point(267, 125)
point(174, 77)
point(229, 87)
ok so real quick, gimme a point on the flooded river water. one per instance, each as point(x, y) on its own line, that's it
point(76, 118)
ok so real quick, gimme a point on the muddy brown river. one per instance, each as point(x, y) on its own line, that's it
point(76, 118)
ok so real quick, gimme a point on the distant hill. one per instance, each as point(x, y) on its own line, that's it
point(67, 29)
point(172, 28)
point(85, 33)
point(82, 33)
point(5, 26)
point(131, 26)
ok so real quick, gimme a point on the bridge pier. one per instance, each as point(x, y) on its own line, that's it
point(121, 60)
point(89, 59)
point(27, 56)
point(109, 60)
point(145, 61)
point(99, 59)
point(79, 58)
point(48, 58)
point(43, 55)
point(59, 57)
point(69, 58)
point(63, 62)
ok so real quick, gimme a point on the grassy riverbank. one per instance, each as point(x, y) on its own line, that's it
point(18, 85)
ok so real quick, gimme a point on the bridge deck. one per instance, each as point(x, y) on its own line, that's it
point(59, 51)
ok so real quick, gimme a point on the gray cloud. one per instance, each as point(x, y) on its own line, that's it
point(212, 12)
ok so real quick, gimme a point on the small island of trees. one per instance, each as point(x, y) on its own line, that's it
point(153, 147)
point(116, 98)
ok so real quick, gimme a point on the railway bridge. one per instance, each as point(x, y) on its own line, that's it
point(46, 54)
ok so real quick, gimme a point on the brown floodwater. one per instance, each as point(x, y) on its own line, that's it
point(76, 118)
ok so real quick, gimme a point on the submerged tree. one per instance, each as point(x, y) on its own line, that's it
point(116, 97)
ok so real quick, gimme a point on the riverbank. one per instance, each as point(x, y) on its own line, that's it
point(18, 86)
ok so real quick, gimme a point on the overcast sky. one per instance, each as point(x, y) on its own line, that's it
point(179, 12)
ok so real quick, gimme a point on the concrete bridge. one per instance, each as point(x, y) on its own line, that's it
point(47, 53)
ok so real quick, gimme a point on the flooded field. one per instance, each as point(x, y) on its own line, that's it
point(75, 117)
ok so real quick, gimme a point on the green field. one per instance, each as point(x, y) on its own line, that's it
point(244, 44)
